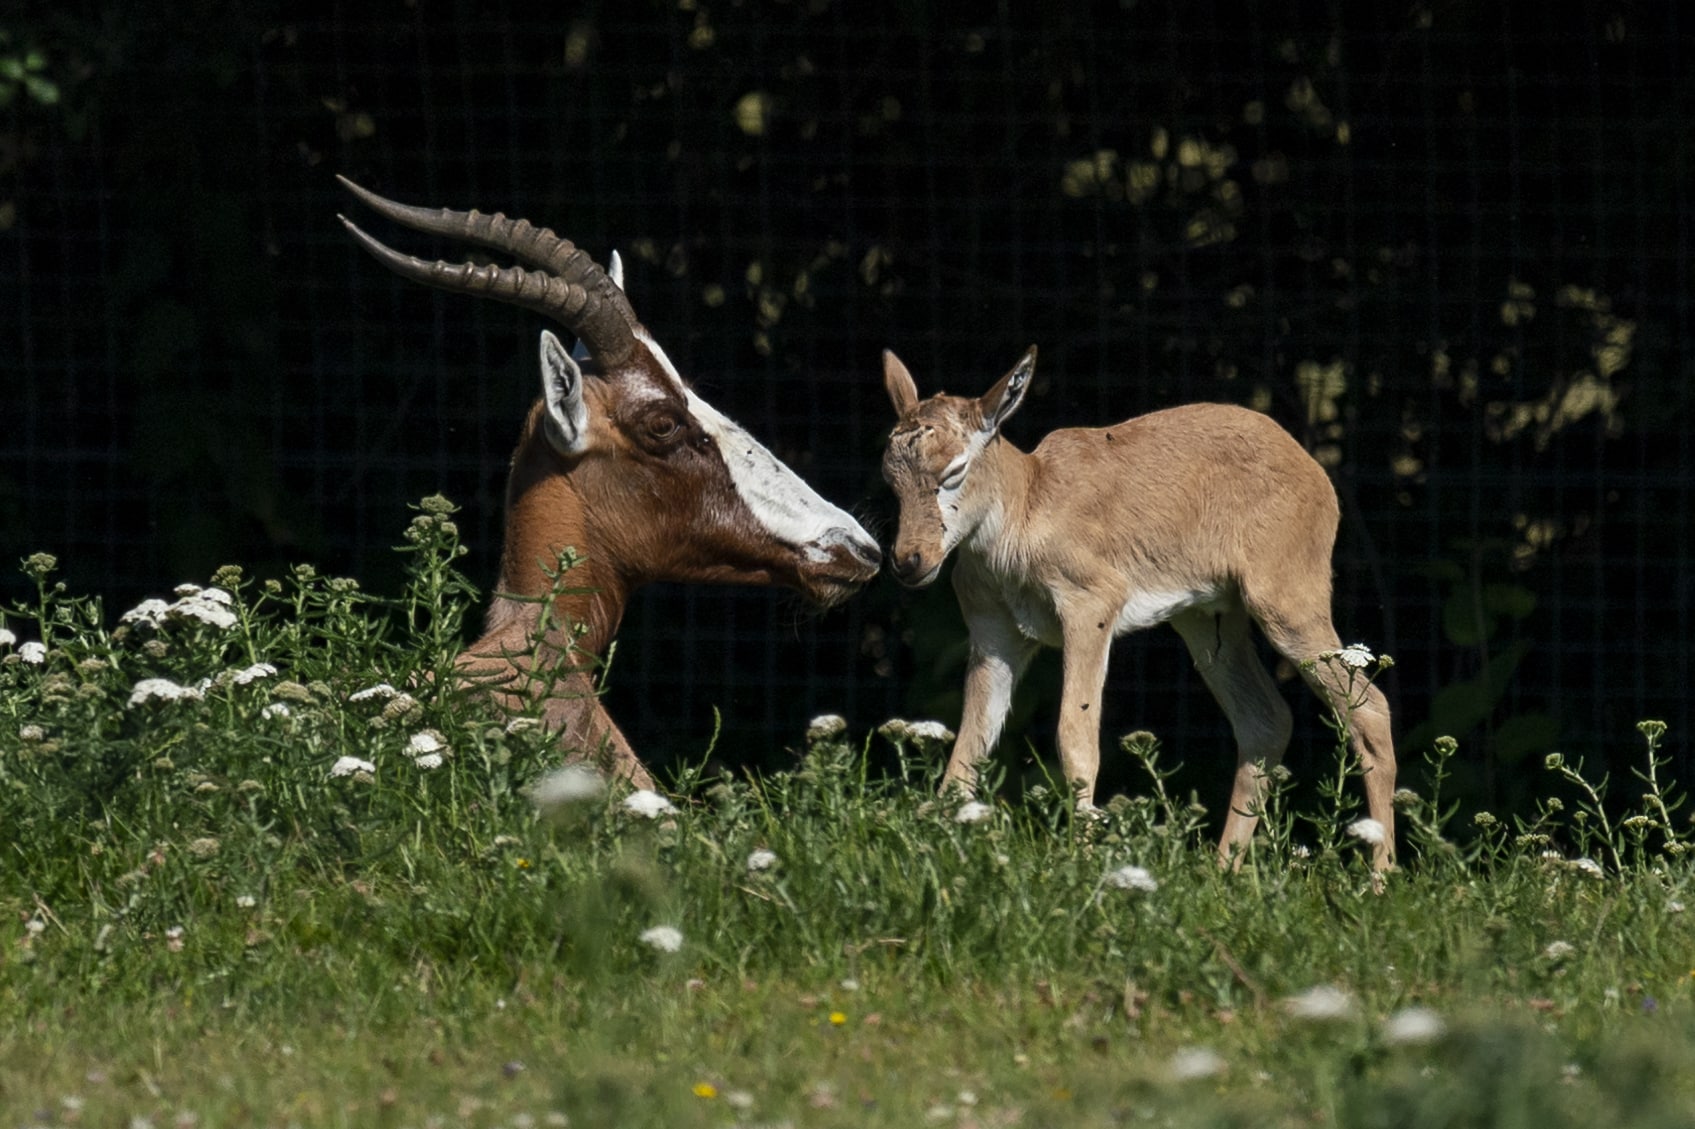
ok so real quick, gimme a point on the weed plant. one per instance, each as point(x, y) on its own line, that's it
point(266, 862)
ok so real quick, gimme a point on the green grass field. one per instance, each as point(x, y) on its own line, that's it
point(300, 882)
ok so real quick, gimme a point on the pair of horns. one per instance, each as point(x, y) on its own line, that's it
point(565, 284)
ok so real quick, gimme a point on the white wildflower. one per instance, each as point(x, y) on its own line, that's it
point(648, 804)
point(347, 766)
point(150, 612)
point(246, 901)
point(664, 938)
point(1558, 951)
point(900, 731)
point(381, 690)
point(1588, 866)
point(7, 638)
point(186, 590)
point(33, 652)
point(929, 731)
point(1195, 1062)
point(35, 927)
point(164, 690)
point(1674, 906)
point(1320, 1003)
point(573, 784)
point(423, 742)
point(428, 761)
point(523, 725)
point(1356, 655)
point(209, 607)
point(973, 811)
point(1132, 878)
point(825, 726)
point(253, 674)
point(33, 732)
point(173, 938)
point(1367, 831)
point(761, 859)
point(739, 1100)
point(1412, 1025)
point(849, 984)
point(275, 710)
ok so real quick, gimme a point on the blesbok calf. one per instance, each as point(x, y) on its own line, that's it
point(1206, 517)
point(620, 460)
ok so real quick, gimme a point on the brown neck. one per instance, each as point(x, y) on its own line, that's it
point(545, 515)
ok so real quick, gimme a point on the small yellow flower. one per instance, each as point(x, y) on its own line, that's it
point(837, 1018)
point(705, 1090)
point(523, 864)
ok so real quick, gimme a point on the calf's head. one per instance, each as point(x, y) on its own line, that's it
point(929, 460)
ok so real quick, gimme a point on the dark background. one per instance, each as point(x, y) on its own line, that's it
point(1447, 244)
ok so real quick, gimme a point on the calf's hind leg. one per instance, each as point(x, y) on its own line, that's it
point(1347, 692)
point(1222, 645)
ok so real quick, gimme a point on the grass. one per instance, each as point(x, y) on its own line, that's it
point(202, 923)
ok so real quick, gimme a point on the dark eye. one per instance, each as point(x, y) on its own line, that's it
point(664, 427)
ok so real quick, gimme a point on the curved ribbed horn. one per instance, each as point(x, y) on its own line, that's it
point(569, 286)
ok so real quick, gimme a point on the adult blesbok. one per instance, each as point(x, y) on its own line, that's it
point(621, 461)
point(1206, 517)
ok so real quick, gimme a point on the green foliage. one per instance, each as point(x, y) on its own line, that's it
point(231, 875)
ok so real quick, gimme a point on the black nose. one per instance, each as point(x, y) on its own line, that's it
point(909, 568)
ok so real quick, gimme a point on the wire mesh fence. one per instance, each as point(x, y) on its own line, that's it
point(1448, 246)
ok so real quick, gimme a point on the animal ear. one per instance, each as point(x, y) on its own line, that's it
point(902, 390)
point(999, 402)
point(567, 421)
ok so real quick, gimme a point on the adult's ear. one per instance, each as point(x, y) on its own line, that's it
point(902, 390)
point(567, 421)
point(999, 402)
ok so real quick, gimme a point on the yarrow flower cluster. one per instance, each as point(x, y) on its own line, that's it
point(427, 749)
point(33, 652)
point(210, 606)
point(900, 731)
point(573, 784)
point(1132, 878)
point(1195, 1062)
point(7, 639)
point(1368, 831)
point(164, 690)
point(648, 804)
point(825, 727)
point(382, 691)
point(1413, 1025)
point(663, 938)
point(1322, 1003)
point(253, 674)
point(351, 766)
point(973, 811)
point(1356, 655)
point(761, 859)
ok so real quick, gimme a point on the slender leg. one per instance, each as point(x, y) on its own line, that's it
point(1222, 647)
point(1364, 705)
point(1088, 639)
point(999, 656)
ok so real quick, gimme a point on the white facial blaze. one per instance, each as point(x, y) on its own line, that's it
point(778, 498)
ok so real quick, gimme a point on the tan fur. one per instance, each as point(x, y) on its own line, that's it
point(1207, 517)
